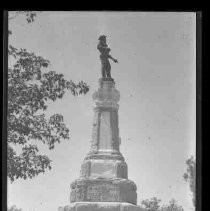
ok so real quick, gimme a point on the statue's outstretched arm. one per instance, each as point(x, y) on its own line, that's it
point(115, 60)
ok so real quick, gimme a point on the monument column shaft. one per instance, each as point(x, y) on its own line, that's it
point(105, 132)
point(104, 173)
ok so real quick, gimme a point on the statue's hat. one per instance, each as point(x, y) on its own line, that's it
point(102, 37)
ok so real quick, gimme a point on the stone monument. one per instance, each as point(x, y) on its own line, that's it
point(103, 184)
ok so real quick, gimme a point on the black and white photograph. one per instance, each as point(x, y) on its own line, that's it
point(101, 111)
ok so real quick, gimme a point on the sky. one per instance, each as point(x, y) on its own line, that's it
point(156, 77)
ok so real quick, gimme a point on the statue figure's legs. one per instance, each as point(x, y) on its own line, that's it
point(108, 69)
point(108, 75)
point(103, 73)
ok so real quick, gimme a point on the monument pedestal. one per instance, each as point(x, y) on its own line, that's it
point(103, 190)
point(100, 206)
point(103, 184)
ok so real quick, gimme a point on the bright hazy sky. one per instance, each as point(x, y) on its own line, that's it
point(156, 78)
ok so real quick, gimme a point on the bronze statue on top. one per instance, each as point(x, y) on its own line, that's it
point(104, 50)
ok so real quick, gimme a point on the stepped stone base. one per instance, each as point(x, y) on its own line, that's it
point(106, 168)
point(100, 206)
point(103, 190)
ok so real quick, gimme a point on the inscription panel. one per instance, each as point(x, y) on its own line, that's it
point(101, 168)
point(102, 193)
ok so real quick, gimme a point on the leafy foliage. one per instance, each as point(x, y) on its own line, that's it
point(30, 88)
point(30, 15)
point(152, 204)
point(190, 176)
point(14, 208)
point(173, 206)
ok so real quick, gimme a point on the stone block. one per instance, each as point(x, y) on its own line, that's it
point(101, 206)
point(94, 168)
point(103, 190)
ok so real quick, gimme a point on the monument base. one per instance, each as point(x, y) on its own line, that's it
point(100, 206)
point(103, 190)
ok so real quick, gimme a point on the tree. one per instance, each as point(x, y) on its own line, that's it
point(30, 87)
point(14, 208)
point(152, 204)
point(190, 177)
point(173, 206)
point(30, 15)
